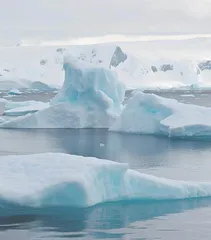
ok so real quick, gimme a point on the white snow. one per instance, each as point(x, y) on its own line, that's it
point(24, 65)
point(90, 97)
point(56, 179)
point(21, 66)
point(151, 114)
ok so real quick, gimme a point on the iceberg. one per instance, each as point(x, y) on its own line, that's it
point(57, 179)
point(151, 114)
point(14, 91)
point(90, 86)
point(91, 97)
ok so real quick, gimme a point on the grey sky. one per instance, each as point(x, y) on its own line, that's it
point(79, 18)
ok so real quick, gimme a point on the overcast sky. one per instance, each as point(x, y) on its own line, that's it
point(80, 18)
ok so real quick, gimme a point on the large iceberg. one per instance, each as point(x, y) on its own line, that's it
point(56, 179)
point(90, 97)
point(151, 114)
point(90, 86)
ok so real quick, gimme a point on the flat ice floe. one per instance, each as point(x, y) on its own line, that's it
point(33, 106)
point(56, 179)
point(12, 105)
point(90, 97)
point(151, 114)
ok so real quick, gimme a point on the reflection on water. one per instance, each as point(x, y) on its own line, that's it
point(99, 222)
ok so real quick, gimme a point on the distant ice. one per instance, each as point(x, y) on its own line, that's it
point(3, 100)
point(151, 114)
point(187, 95)
point(8, 83)
point(14, 91)
point(56, 179)
point(147, 65)
point(2, 119)
point(8, 96)
point(40, 86)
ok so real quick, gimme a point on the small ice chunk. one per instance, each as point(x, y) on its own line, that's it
point(14, 91)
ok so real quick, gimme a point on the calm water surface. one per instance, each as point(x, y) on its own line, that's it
point(162, 157)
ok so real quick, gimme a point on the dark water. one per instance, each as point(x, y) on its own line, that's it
point(162, 157)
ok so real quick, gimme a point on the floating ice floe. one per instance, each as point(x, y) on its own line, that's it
point(23, 110)
point(151, 114)
point(14, 91)
point(56, 179)
point(12, 104)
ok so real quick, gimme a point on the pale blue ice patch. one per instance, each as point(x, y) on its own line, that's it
point(55, 179)
point(151, 114)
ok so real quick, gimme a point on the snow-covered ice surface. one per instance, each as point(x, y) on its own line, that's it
point(90, 97)
point(56, 179)
point(144, 64)
point(151, 114)
point(34, 66)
